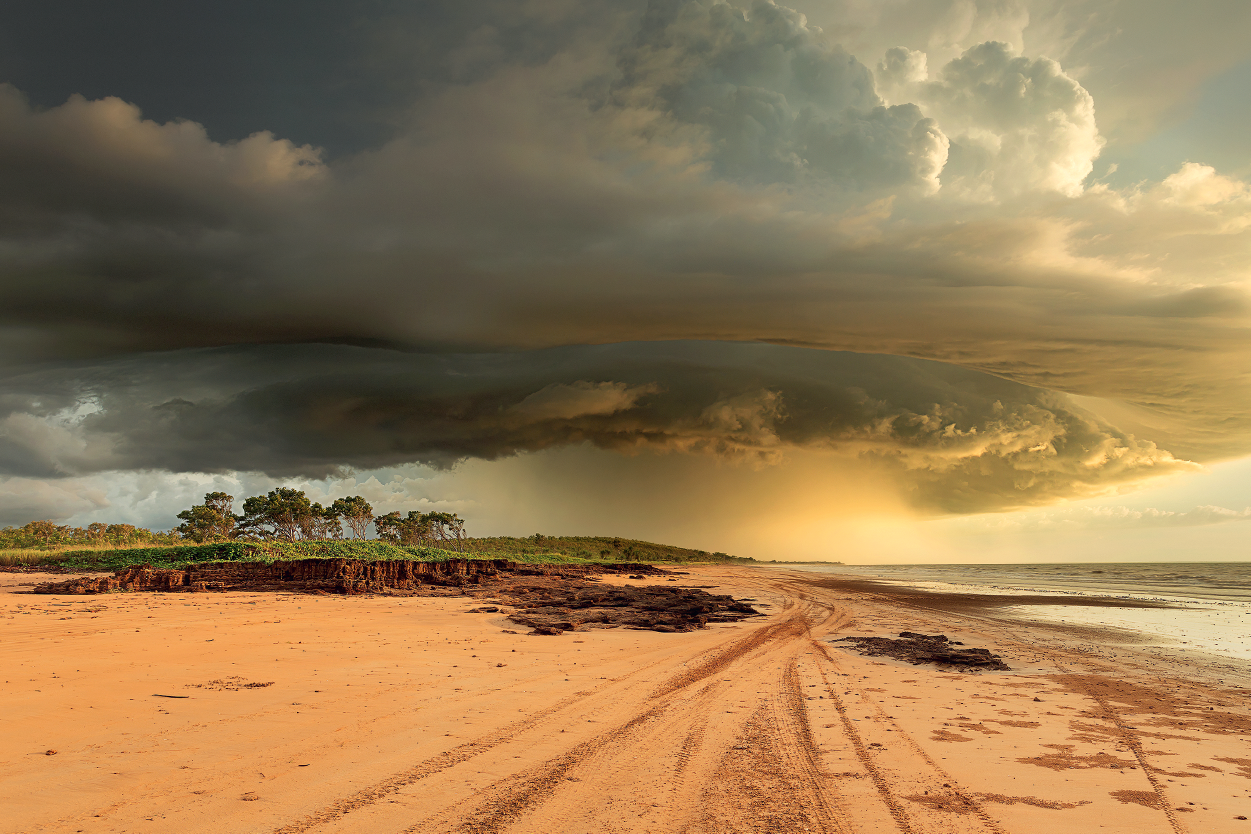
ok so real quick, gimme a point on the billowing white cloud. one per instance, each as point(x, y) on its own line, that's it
point(777, 102)
point(1200, 186)
point(1016, 124)
point(1144, 62)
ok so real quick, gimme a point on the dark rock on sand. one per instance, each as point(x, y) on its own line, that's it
point(927, 648)
point(654, 607)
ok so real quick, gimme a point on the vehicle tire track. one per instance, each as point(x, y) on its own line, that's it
point(802, 747)
point(792, 626)
point(1132, 741)
point(513, 797)
point(757, 786)
point(450, 758)
point(1058, 658)
point(504, 802)
point(897, 812)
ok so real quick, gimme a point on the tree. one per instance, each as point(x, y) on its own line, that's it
point(97, 531)
point(388, 527)
point(321, 523)
point(416, 528)
point(283, 513)
point(355, 512)
point(46, 532)
point(208, 522)
point(411, 529)
point(449, 527)
point(456, 526)
point(120, 534)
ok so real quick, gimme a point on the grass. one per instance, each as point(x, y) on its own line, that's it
point(173, 556)
point(540, 550)
point(592, 549)
point(26, 556)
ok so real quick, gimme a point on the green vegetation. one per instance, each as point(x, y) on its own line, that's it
point(593, 549)
point(285, 524)
point(47, 535)
point(532, 550)
point(287, 515)
point(177, 556)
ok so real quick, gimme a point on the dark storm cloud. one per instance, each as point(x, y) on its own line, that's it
point(338, 74)
point(965, 441)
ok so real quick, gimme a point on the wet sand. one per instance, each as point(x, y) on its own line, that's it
point(299, 713)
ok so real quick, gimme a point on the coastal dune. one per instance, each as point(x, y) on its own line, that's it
point(290, 713)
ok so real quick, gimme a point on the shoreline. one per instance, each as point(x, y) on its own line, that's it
point(1115, 579)
point(1219, 628)
point(324, 714)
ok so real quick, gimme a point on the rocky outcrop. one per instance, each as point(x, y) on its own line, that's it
point(336, 576)
point(549, 599)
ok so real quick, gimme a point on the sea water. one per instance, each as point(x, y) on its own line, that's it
point(1210, 602)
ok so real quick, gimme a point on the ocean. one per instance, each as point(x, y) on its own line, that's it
point(1212, 613)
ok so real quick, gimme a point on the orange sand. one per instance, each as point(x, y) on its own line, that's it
point(409, 715)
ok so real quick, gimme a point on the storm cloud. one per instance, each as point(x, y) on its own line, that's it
point(688, 228)
point(957, 440)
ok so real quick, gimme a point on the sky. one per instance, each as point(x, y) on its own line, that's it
point(858, 280)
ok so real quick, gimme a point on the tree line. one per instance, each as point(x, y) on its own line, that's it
point(48, 534)
point(287, 514)
point(283, 514)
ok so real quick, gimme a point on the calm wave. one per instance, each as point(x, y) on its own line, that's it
point(1199, 580)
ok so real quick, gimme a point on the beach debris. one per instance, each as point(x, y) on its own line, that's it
point(552, 609)
point(1147, 799)
point(49, 753)
point(486, 609)
point(232, 683)
point(927, 648)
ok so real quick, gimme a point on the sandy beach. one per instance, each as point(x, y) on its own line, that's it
point(285, 713)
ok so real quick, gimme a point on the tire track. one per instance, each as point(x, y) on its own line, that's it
point(803, 747)
point(512, 797)
point(448, 759)
point(793, 626)
point(462, 753)
point(897, 812)
point(1058, 658)
point(515, 796)
point(690, 744)
point(756, 786)
point(968, 801)
point(1132, 741)
point(771, 778)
